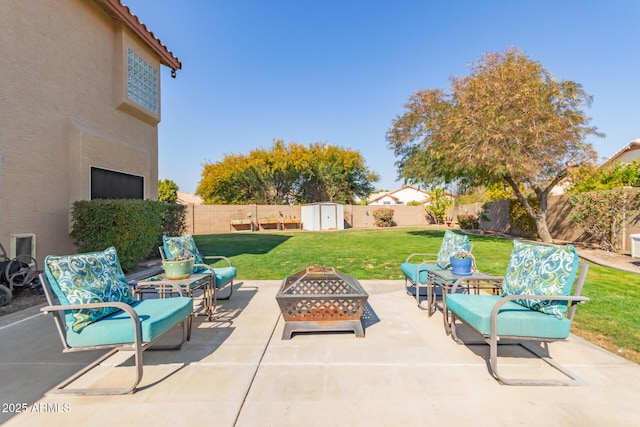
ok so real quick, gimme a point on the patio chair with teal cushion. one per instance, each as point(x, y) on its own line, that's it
point(416, 272)
point(536, 304)
point(180, 246)
point(94, 308)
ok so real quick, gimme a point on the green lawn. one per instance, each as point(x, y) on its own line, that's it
point(610, 319)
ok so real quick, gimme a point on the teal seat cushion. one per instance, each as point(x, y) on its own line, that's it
point(156, 315)
point(411, 271)
point(451, 243)
point(181, 246)
point(224, 275)
point(513, 319)
point(88, 278)
point(539, 269)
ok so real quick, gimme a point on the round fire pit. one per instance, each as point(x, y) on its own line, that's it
point(321, 299)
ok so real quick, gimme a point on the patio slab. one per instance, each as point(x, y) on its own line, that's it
point(237, 371)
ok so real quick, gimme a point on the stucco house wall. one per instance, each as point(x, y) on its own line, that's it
point(400, 196)
point(64, 110)
point(626, 154)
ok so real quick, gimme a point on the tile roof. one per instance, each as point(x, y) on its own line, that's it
point(631, 146)
point(122, 13)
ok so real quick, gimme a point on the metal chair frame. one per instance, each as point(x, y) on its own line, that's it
point(137, 346)
point(493, 340)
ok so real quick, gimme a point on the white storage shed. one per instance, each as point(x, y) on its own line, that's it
point(322, 216)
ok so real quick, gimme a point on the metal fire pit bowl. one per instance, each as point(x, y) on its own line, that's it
point(321, 299)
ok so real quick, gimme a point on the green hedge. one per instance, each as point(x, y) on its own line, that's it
point(133, 227)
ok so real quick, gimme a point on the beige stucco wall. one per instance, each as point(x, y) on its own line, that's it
point(213, 219)
point(62, 111)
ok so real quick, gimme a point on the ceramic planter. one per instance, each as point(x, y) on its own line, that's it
point(176, 270)
point(461, 266)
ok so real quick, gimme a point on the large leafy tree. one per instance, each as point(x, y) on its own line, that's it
point(508, 121)
point(334, 174)
point(167, 191)
point(288, 173)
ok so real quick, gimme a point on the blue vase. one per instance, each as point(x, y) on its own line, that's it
point(461, 266)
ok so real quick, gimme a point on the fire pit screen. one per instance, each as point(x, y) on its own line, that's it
point(321, 299)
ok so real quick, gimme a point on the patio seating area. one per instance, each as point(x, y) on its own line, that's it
point(237, 371)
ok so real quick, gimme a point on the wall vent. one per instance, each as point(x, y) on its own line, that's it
point(22, 244)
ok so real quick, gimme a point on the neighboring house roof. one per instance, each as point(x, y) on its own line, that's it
point(123, 14)
point(394, 195)
point(381, 196)
point(188, 199)
point(627, 154)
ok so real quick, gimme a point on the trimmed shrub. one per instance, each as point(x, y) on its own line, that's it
point(383, 217)
point(173, 223)
point(133, 227)
point(468, 221)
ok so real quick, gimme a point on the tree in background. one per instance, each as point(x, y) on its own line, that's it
point(287, 174)
point(167, 191)
point(600, 203)
point(334, 174)
point(602, 213)
point(509, 121)
point(590, 177)
point(439, 202)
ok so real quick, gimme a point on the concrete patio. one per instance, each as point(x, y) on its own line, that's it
point(237, 371)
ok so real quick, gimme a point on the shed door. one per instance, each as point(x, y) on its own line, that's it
point(328, 217)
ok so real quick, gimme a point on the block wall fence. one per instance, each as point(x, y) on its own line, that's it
point(216, 219)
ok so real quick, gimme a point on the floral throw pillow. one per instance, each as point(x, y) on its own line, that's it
point(88, 278)
point(181, 246)
point(451, 243)
point(538, 269)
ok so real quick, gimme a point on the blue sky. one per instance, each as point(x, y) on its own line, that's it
point(339, 71)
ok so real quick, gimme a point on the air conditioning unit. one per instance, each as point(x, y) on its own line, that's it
point(22, 244)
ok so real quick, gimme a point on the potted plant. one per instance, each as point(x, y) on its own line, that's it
point(178, 268)
point(462, 263)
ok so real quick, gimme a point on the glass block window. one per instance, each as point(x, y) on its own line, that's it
point(142, 82)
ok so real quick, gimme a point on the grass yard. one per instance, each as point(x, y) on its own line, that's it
point(610, 319)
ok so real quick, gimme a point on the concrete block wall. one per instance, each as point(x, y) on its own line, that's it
point(214, 219)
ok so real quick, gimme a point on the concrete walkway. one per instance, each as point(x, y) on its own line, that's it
point(237, 371)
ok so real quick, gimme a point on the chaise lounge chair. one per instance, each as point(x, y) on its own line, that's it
point(536, 304)
point(416, 272)
point(93, 308)
point(178, 246)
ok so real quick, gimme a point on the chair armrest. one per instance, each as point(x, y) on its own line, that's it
point(65, 307)
point(137, 328)
point(218, 257)
point(496, 308)
point(573, 298)
point(419, 254)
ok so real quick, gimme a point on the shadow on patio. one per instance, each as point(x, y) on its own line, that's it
point(237, 371)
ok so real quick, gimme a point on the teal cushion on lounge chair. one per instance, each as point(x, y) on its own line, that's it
point(157, 316)
point(411, 271)
point(451, 243)
point(88, 278)
point(538, 269)
point(224, 275)
point(513, 319)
